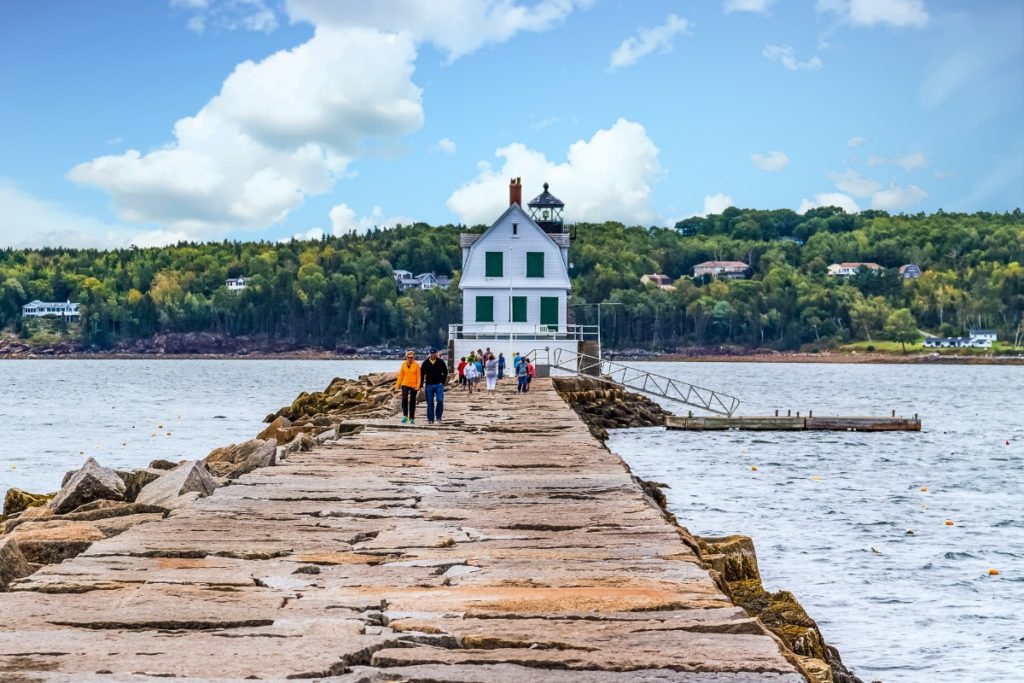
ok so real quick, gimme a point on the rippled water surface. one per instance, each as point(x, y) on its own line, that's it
point(840, 519)
point(829, 512)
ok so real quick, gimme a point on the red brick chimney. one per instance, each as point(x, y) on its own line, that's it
point(515, 192)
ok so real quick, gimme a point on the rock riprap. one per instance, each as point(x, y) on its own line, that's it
point(493, 548)
point(91, 482)
point(188, 477)
point(605, 405)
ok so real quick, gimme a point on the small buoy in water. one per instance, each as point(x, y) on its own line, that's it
point(14, 467)
point(1007, 442)
point(81, 452)
point(993, 572)
point(153, 434)
point(924, 489)
point(875, 550)
point(924, 506)
point(753, 468)
point(816, 478)
point(159, 426)
point(910, 532)
point(168, 433)
point(949, 522)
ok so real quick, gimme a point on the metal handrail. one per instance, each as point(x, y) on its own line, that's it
point(640, 380)
point(523, 331)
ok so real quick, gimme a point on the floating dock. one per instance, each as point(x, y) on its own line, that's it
point(506, 545)
point(794, 423)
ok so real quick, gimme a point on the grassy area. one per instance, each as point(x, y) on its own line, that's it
point(881, 346)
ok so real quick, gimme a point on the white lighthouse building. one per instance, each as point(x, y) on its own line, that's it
point(515, 283)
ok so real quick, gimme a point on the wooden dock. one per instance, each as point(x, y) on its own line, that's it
point(794, 423)
point(507, 545)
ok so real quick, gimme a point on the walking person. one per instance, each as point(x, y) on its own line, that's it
point(434, 373)
point(531, 372)
point(501, 365)
point(522, 375)
point(462, 373)
point(471, 377)
point(409, 384)
point(491, 372)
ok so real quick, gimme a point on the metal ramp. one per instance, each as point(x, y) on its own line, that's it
point(574, 362)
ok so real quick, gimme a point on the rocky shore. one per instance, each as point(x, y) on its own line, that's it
point(95, 502)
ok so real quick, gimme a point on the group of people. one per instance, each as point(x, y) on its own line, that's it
point(432, 376)
point(482, 363)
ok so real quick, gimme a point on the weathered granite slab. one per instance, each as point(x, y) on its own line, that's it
point(493, 548)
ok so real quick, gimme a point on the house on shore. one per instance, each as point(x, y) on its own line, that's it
point(977, 339)
point(662, 281)
point(850, 268)
point(61, 309)
point(910, 271)
point(725, 270)
point(237, 284)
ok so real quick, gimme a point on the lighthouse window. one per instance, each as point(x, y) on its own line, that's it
point(535, 264)
point(515, 228)
point(493, 266)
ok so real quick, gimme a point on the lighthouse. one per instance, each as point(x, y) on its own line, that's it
point(515, 282)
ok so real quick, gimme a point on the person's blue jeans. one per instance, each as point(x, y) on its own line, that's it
point(434, 392)
point(522, 384)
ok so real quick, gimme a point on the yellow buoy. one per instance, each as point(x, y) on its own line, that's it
point(159, 426)
point(816, 478)
point(924, 489)
point(924, 505)
point(14, 467)
point(993, 572)
point(949, 522)
point(753, 468)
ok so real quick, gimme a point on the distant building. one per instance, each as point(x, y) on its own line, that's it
point(910, 271)
point(237, 284)
point(978, 339)
point(727, 270)
point(850, 268)
point(663, 281)
point(406, 280)
point(41, 309)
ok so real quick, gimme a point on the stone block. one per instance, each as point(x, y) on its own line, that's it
point(185, 478)
point(90, 483)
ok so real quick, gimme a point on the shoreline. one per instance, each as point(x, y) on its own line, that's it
point(841, 358)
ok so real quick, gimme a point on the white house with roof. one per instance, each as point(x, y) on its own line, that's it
point(61, 309)
point(515, 282)
point(850, 268)
point(977, 339)
point(237, 284)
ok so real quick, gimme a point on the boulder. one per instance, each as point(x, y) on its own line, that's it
point(17, 500)
point(136, 480)
point(161, 464)
point(50, 545)
point(237, 459)
point(12, 562)
point(271, 430)
point(90, 483)
point(300, 444)
point(96, 510)
point(185, 478)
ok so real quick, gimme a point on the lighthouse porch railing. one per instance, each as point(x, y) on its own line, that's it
point(523, 331)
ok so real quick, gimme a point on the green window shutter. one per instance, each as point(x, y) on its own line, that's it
point(485, 309)
point(549, 310)
point(535, 264)
point(519, 309)
point(494, 264)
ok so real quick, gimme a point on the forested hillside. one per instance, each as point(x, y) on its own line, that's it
point(340, 291)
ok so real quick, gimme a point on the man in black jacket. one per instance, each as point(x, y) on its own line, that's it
point(434, 375)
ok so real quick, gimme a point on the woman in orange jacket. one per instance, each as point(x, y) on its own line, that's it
point(409, 384)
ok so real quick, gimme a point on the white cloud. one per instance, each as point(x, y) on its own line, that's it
point(772, 161)
point(755, 6)
point(545, 122)
point(456, 26)
point(866, 13)
point(787, 56)
point(854, 183)
point(843, 201)
point(229, 15)
point(313, 234)
point(444, 145)
point(279, 130)
point(897, 197)
point(608, 177)
point(646, 41)
point(908, 162)
point(715, 204)
point(345, 221)
point(856, 141)
point(28, 221)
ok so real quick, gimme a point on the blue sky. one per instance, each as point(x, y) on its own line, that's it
point(147, 122)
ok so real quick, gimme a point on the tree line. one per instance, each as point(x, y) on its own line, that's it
point(339, 291)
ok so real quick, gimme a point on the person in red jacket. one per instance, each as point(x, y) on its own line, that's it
point(462, 373)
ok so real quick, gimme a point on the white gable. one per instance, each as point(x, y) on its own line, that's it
point(514, 235)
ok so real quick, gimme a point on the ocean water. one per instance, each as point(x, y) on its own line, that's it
point(839, 519)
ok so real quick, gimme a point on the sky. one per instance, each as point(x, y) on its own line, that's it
point(128, 122)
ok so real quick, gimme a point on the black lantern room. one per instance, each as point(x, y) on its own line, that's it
point(546, 211)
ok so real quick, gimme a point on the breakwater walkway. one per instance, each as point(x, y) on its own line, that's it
point(506, 545)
